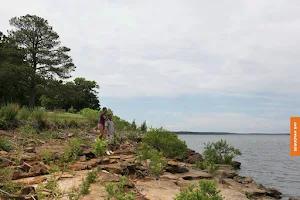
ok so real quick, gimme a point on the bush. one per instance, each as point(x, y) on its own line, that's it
point(117, 190)
point(27, 129)
point(91, 177)
point(99, 147)
point(166, 142)
point(91, 115)
point(72, 151)
point(207, 190)
point(205, 165)
point(24, 113)
point(72, 110)
point(220, 152)
point(156, 165)
point(38, 115)
point(3, 124)
point(9, 112)
point(5, 144)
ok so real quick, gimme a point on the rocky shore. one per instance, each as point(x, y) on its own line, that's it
point(178, 174)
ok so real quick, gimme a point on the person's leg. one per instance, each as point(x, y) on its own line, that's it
point(101, 131)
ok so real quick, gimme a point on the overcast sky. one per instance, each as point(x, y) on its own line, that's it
point(186, 65)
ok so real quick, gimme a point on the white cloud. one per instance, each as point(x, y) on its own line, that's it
point(165, 48)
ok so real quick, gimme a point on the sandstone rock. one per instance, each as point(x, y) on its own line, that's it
point(28, 189)
point(30, 150)
point(82, 158)
point(3, 152)
point(70, 135)
point(244, 180)
point(16, 174)
point(194, 158)
point(28, 157)
point(89, 153)
point(6, 162)
point(196, 175)
point(31, 180)
point(115, 168)
point(25, 167)
point(158, 190)
point(230, 194)
point(227, 174)
point(271, 192)
point(176, 169)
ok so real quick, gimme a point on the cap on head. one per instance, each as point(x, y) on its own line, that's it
point(104, 108)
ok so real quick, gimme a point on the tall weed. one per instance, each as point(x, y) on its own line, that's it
point(9, 112)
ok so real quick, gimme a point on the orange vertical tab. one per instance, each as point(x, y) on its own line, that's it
point(295, 136)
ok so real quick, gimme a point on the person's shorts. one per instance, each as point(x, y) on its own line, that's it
point(100, 125)
point(110, 139)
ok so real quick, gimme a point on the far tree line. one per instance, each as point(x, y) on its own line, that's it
point(34, 65)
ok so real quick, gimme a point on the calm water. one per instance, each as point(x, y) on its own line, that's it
point(265, 158)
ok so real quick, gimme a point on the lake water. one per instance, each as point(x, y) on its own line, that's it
point(266, 158)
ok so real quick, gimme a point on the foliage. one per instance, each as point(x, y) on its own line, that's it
point(99, 147)
point(47, 157)
point(144, 127)
point(133, 125)
point(42, 49)
point(206, 190)
point(205, 165)
point(27, 129)
point(156, 165)
point(220, 152)
point(24, 113)
point(91, 115)
point(71, 110)
point(9, 112)
point(5, 144)
point(39, 115)
point(117, 190)
point(4, 125)
point(91, 177)
point(51, 186)
point(166, 142)
point(72, 150)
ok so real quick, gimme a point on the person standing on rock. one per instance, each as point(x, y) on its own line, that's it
point(110, 127)
point(101, 122)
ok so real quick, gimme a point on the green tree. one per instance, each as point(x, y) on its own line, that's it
point(144, 127)
point(133, 125)
point(43, 51)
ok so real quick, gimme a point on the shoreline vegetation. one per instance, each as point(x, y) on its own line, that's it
point(54, 155)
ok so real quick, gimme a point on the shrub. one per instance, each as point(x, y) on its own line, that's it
point(156, 165)
point(38, 115)
point(91, 177)
point(27, 129)
point(24, 113)
point(3, 124)
point(71, 110)
point(99, 147)
point(72, 150)
point(9, 112)
point(5, 144)
point(91, 115)
point(220, 152)
point(144, 127)
point(207, 190)
point(205, 165)
point(166, 142)
point(117, 190)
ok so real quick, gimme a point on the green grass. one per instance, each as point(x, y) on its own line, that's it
point(66, 116)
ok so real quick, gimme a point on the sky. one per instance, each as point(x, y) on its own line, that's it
point(186, 65)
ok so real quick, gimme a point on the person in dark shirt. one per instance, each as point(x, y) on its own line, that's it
point(101, 122)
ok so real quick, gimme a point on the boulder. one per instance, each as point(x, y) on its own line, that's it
point(196, 175)
point(29, 150)
point(236, 165)
point(192, 159)
point(243, 180)
point(82, 158)
point(271, 192)
point(173, 167)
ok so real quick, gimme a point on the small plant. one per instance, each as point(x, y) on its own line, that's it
point(166, 142)
point(9, 112)
point(220, 152)
point(24, 113)
point(248, 195)
point(117, 190)
point(71, 110)
point(206, 190)
point(50, 187)
point(99, 147)
point(72, 150)
point(38, 115)
point(27, 129)
point(205, 165)
point(91, 177)
point(156, 165)
point(47, 157)
point(5, 144)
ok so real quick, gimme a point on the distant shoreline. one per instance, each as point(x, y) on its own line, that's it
point(224, 133)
